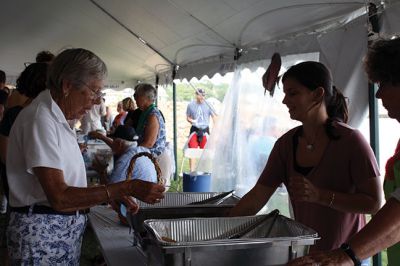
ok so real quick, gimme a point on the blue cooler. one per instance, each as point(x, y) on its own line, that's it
point(196, 182)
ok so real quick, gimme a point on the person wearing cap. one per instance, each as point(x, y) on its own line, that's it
point(198, 114)
point(124, 149)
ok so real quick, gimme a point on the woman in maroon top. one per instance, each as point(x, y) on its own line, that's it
point(329, 169)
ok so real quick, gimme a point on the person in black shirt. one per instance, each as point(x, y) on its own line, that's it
point(30, 83)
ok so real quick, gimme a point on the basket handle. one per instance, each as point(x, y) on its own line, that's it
point(160, 180)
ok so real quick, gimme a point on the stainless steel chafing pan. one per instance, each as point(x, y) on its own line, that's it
point(206, 241)
point(180, 205)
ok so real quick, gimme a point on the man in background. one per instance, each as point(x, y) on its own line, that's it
point(198, 114)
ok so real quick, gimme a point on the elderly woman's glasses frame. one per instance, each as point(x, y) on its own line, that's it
point(95, 95)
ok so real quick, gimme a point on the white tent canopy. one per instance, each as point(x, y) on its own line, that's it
point(139, 39)
point(199, 36)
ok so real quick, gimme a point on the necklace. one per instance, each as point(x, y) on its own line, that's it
point(310, 145)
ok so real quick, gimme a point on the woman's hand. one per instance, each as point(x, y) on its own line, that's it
point(83, 147)
point(95, 135)
point(146, 191)
point(301, 189)
point(330, 258)
point(128, 201)
point(98, 166)
point(118, 146)
point(101, 168)
point(130, 204)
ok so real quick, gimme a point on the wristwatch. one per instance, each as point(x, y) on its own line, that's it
point(347, 249)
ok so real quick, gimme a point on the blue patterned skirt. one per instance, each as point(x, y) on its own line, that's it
point(45, 239)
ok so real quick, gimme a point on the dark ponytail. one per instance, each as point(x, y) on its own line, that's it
point(337, 106)
point(337, 112)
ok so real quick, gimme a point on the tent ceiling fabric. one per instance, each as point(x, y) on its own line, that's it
point(183, 31)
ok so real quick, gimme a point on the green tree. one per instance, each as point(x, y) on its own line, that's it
point(185, 92)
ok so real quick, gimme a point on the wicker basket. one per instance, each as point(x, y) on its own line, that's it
point(160, 180)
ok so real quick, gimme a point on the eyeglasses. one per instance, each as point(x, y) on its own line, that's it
point(95, 95)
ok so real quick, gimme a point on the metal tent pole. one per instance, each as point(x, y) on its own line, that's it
point(373, 108)
point(156, 86)
point(174, 69)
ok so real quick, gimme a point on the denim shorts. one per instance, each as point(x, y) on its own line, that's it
point(45, 239)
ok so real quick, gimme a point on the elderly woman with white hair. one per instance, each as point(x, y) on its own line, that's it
point(49, 196)
point(151, 125)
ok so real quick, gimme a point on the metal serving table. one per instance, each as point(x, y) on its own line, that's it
point(115, 239)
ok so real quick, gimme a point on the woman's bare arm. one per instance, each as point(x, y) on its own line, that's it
point(66, 198)
point(253, 201)
point(150, 132)
point(97, 135)
point(381, 232)
point(367, 198)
